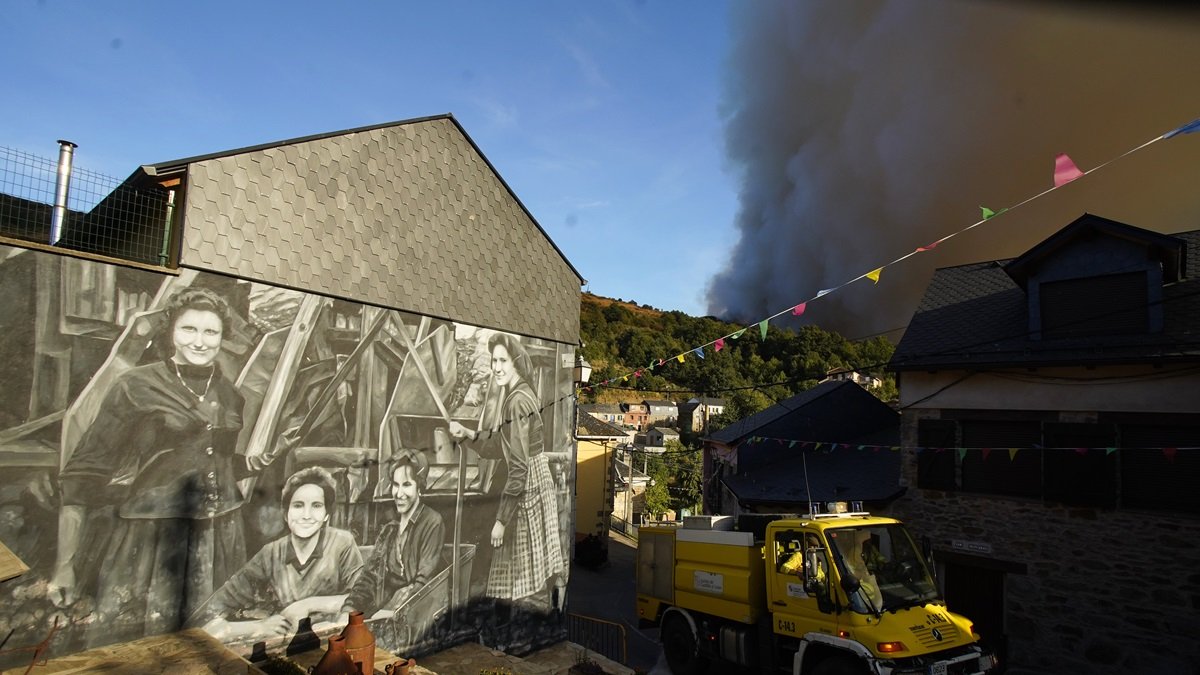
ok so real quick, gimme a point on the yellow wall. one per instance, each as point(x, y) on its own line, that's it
point(593, 488)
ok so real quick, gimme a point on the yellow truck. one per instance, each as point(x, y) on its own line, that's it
point(822, 594)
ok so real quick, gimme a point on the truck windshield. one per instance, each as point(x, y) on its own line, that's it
point(883, 560)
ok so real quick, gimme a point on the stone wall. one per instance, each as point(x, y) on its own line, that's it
point(1106, 591)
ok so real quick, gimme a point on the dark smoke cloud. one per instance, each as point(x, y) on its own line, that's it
point(861, 130)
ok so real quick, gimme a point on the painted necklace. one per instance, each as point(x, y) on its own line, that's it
point(199, 397)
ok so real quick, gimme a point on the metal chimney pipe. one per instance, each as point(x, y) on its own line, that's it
point(66, 150)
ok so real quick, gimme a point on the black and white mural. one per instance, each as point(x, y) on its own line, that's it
point(203, 451)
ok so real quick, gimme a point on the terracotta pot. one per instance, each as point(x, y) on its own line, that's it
point(400, 667)
point(335, 661)
point(360, 643)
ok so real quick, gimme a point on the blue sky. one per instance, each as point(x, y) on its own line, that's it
point(725, 157)
point(602, 116)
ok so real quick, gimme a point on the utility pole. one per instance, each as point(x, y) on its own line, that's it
point(629, 491)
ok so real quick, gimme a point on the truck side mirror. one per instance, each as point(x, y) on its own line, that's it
point(927, 551)
point(816, 578)
point(850, 583)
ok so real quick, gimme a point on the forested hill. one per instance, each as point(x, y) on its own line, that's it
point(749, 373)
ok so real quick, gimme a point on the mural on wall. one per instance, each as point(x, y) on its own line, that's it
point(202, 451)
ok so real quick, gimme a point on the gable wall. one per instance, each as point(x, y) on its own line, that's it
point(409, 217)
point(1093, 256)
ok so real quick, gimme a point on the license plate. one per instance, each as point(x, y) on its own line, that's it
point(938, 668)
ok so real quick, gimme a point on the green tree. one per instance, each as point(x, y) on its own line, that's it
point(658, 499)
point(686, 468)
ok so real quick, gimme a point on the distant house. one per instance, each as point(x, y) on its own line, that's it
point(661, 411)
point(769, 462)
point(637, 415)
point(605, 412)
point(630, 500)
point(848, 375)
point(658, 437)
point(1051, 433)
point(696, 411)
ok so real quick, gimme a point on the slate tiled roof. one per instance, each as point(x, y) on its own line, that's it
point(408, 215)
point(976, 315)
point(772, 472)
point(660, 403)
point(601, 408)
point(832, 411)
point(587, 426)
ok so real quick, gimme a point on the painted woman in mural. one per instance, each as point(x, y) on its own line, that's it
point(408, 551)
point(162, 451)
point(306, 573)
point(525, 535)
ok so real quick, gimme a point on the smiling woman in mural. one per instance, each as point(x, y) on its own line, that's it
point(408, 551)
point(162, 452)
point(525, 534)
point(307, 573)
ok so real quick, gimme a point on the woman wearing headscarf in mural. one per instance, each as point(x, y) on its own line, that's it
point(525, 535)
point(162, 450)
point(306, 573)
point(408, 551)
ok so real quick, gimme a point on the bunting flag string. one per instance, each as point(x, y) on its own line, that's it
point(1170, 453)
point(1065, 171)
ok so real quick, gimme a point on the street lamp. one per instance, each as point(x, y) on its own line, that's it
point(583, 370)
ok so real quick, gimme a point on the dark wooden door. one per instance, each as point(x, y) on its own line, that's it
point(978, 594)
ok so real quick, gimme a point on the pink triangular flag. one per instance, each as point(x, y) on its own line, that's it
point(1065, 170)
point(799, 309)
point(928, 247)
point(719, 344)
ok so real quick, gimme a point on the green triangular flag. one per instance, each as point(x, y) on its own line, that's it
point(762, 329)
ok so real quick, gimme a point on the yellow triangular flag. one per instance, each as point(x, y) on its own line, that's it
point(873, 275)
point(679, 358)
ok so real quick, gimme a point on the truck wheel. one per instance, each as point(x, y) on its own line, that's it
point(839, 665)
point(679, 645)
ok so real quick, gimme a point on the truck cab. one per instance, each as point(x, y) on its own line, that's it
point(854, 585)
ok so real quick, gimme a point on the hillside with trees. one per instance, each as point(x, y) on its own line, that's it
point(749, 373)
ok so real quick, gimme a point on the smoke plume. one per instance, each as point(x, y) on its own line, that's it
point(860, 130)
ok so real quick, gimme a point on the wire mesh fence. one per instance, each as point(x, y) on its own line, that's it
point(104, 215)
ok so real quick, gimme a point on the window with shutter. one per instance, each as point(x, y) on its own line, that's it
point(936, 461)
point(989, 466)
point(1112, 304)
point(1155, 474)
point(1077, 467)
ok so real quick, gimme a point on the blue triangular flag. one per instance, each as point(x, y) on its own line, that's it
point(1190, 127)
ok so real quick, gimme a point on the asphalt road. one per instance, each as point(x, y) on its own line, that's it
point(610, 593)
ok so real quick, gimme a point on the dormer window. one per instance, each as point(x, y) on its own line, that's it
point(1111, 304)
